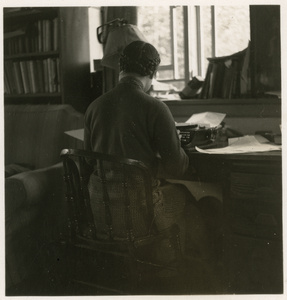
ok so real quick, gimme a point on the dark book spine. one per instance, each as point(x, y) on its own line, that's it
point(10, 74)
point(25, 77)
point(18, 77)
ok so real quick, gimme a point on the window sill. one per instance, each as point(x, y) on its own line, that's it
point(238, 108)
point(219, 101)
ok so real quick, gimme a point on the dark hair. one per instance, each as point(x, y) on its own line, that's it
point(140, 57)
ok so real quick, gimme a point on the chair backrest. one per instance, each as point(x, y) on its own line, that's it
point(109, 197)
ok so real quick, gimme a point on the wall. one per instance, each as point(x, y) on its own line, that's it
point(244, 115)
point(96, 49)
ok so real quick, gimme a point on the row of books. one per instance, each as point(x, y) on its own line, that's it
point(227, 77)
point(32, 76)
point(39, 36)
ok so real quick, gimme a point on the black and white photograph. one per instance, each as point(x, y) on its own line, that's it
point(143, 149)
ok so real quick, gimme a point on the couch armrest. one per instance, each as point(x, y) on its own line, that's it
point(41, 190)
point(34, 218)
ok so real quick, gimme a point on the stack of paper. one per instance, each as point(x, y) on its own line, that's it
point(207, 119)
point(245, 144)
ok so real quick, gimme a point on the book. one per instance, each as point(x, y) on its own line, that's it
point(211, 81)
point(205, 87)
point(25, 77)
point(55, 34)
point(43, 34)
point(52, 75)
point(218, 80)
point(47, 35)
point(46, 75)
point(40, 72)
point(236, 92)
point(9, 46)
point(227, 80)
point(223, 76)
point(8, 65)
point(40, 35)
point(18, 77)
point(216, 76)
point(21, 44)
point(245, 76)
point(27, 45)
point(31, 77)
point(7, 89)
point(58, 75)
point(35, 76)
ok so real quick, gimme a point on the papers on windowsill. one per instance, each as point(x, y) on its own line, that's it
point(245, 144)
point(77, 133)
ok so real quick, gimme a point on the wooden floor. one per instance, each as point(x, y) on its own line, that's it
point(58, 272)
point(55, 281)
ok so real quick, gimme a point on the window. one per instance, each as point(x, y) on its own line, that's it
point(186, 36)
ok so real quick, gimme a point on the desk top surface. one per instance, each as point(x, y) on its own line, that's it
point(271, 155)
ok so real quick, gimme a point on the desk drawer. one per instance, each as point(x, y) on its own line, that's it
point(252, 185)
point(259, 226)
point(255, 204)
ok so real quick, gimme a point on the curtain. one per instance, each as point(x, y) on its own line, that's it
point(109, 13)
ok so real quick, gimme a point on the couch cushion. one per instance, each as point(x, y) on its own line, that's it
point(34, 134)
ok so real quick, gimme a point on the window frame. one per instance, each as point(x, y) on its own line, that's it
point(173, 66)
point(197, 51)
point(197, 60)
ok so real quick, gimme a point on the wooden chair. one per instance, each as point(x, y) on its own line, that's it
point(114, 246)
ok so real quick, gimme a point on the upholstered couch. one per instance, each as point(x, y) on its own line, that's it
point(34, 187)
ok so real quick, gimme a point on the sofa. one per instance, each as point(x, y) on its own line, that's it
point(34, 185)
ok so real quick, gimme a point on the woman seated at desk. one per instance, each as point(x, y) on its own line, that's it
point(128, 122)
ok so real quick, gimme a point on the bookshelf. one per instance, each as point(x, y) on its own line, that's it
point(228, 77)
point(46, 56)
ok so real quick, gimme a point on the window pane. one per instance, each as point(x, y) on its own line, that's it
point(180, 41)
point(165, 74)
point(206, 42)
point(154, 23)
point(232, 29)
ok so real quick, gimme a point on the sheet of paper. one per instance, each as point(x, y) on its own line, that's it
point(209, 119)
point(245, 144)
point(77, 133)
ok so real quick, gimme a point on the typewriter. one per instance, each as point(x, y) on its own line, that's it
point(192, 135)
point(204, 130)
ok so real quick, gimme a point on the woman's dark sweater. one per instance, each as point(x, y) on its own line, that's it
point(130, 123)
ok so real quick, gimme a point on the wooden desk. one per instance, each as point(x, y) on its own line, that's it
point(252, 204)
